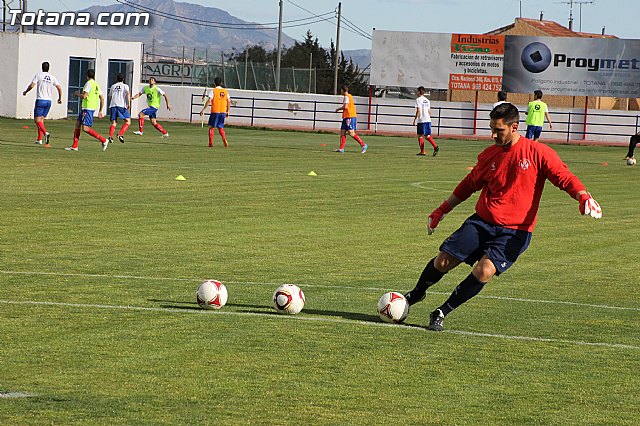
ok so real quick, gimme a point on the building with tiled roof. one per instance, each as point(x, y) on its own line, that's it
point(534, 27)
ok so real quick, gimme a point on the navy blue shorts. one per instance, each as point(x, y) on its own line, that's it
point(533, 132)
point(216, 119)
point(86, 117)
point(476, 238)
point(349, 124)
point(150, 111)
point(42, 107)
point(423, 129)
point(119, 112)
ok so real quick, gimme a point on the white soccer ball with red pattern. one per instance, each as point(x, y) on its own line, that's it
point(631, 161)
point(393, 307)
point(288, 299)
point(211, 294)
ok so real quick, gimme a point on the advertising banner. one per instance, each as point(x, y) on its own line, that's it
point(476, 62)
point(437, 60)
point(572, 66)
point(410, 59)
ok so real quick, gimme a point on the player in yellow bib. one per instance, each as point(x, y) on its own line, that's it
point(92, 99)
point(349, 120)
point(153, 94)
point(536, 114)
point(220, 101)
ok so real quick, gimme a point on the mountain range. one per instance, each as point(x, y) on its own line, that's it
point(169, 30)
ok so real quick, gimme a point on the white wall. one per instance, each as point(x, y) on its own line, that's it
point(9, 54)
point(279, 109)
point(23, 54)
point(275, 105)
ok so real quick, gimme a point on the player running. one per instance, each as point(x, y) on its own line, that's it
point(91, 99)
point(220, 102)
point(349, 120)
point(511, 175)
point(119, 107)
point(423, 116)
point(153, 94)
point(44, 83)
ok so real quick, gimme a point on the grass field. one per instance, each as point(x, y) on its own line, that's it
point(101, 253)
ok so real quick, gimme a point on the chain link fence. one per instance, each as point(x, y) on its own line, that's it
point(245, 75)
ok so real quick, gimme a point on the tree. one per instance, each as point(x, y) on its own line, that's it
point(351, 75)
point(322, 60)
point(299, 56)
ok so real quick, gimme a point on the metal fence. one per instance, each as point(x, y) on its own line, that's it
point(389, 117)
point(235, 75)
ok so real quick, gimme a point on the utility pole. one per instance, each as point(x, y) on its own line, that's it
point(23, 29)
point(335, 75)
point(246, 65)
point(279, 49)
point(310, 68)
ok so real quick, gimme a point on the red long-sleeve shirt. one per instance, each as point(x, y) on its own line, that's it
point(512, 179)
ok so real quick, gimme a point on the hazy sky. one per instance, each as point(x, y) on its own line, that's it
point(447, 16)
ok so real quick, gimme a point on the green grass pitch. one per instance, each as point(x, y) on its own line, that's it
point(101, 253)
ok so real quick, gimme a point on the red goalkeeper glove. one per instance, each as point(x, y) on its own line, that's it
point(437, 215)
point(589, 206)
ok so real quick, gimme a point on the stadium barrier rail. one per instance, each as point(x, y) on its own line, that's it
point(394, 118)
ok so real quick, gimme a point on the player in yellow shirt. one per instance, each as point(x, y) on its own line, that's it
point(92, 99)
point(348, 109)
point(153, 94)
point(536, 114)
point(220, 101)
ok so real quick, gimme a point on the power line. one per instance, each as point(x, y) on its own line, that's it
point(350, 26)
point(357, 28)
point(313, 14)
point(64, 5)
point(225, 25)
point(40, 30)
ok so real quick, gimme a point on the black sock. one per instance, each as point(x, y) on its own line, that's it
point(632, 144)
point(429, 277)
point(465, 291)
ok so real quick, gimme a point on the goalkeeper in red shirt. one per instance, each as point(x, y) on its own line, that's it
point(510, 175)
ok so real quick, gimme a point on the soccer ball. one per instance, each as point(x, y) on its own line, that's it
point(393, 307)
point(631, 161)
point(288, 299)
point(211, 294)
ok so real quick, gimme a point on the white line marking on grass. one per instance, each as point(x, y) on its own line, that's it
point(556, 302)
point(119, 164)
point(422, 186)
point(137, 277)
point(16, 395)
point(542, 339)
point(129, 277)
point(318, 319)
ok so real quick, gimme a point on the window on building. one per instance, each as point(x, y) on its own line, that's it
point(78, 68)
point(119, 66)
